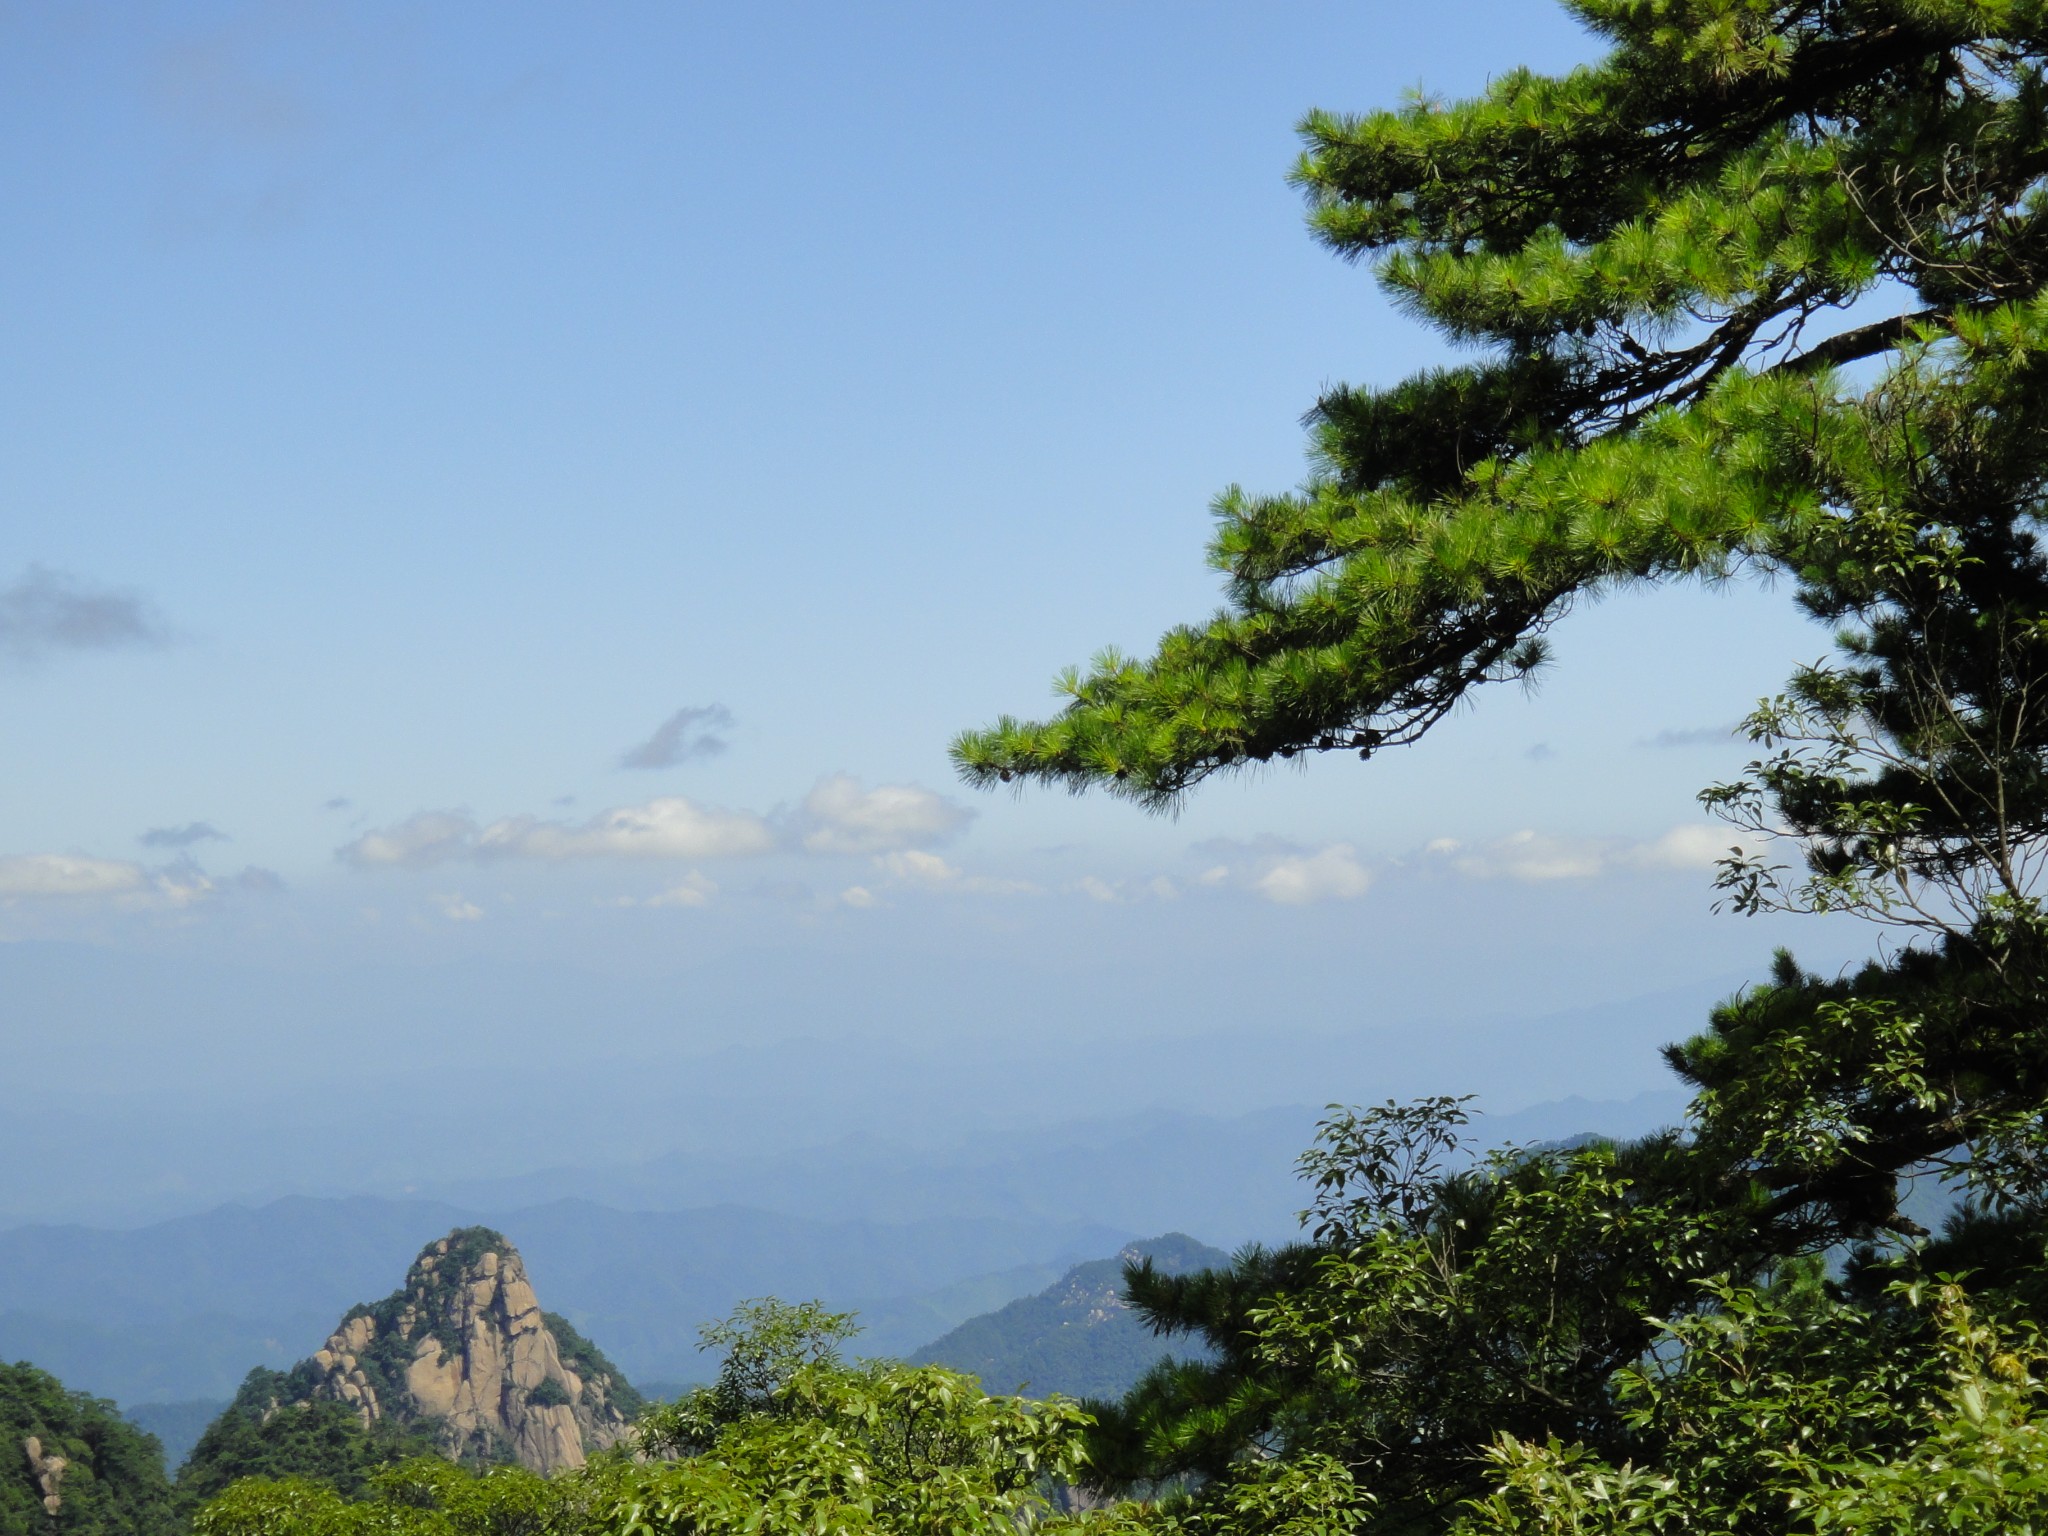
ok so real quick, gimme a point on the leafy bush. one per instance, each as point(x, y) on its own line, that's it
point(549, 1394)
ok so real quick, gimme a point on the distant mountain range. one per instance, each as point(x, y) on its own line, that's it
point(916, 1242)
point(1230, 1177)
point(1078, 1336)
point(183, 1309)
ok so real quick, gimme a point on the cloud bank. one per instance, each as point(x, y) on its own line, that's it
point(1536, 856)
point(1333, 873)
point(839, 816)
point(61, 874)
point(1295, 876)
point(1286, 873)
point(669, 827)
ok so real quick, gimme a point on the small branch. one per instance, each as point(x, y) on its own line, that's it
point(1863, 341)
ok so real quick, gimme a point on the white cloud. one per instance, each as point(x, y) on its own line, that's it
point(858, 896)
point(915, 867)
point(1699, 846)
point(693, 891)
point(181, 885)
point(458, 910)
point(427, 838)
point(1536, 856)
point(841, 817)
point(60, 874)
point(666, 828)
point(1158, 888)
point(1525, 855)
point(1329, 874)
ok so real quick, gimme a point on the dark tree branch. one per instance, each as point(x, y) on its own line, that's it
point(1864, 341)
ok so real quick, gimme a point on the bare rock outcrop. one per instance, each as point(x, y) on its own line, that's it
point(466, 1351)
point(48, 1471)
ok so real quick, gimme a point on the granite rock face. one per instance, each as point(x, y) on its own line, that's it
point(48, 1471)
point(465, 1350)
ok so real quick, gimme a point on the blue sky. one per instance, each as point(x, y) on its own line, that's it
point(524, 485)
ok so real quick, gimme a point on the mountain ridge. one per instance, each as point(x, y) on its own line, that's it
point(183, 1310)
point(1078, 1337)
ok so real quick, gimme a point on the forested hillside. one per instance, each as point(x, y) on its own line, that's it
point(1076, 1338)
point(70, 1464)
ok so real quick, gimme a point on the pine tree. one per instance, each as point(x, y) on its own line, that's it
point(1657, 252)
point(1656, 255)
point(1764, 289)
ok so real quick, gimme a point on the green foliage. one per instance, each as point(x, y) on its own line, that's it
point(1650, 256)
point(268, 1433)
point(425, 1497)
point(1380, 1168)
point(593, 1366)
point(767, 1344)
point(1788, 1419)
point(1308, 1495)
point(112, 1482)
point(881, 1448)
point(820, 1449)
point(1436, 1310)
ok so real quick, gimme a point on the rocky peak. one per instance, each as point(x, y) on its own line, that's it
point(465, 1350)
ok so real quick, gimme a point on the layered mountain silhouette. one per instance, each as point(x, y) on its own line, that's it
point(1078, 1336)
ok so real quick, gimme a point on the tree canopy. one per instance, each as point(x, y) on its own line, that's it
point(1765, 288)
point(790, 1441)
point(70, 1465)
point(269, 1432)
point(1663, 267)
